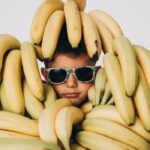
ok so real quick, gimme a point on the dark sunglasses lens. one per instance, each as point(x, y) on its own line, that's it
point(84, 74)
point(57, 75)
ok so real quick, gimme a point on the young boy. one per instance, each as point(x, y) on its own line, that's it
point(71, 72)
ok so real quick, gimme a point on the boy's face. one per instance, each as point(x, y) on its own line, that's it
point(72, 88)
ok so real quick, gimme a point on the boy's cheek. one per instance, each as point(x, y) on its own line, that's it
point(77, 102)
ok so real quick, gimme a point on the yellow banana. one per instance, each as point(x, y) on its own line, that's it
point(94, 141)
point(7, 42)
point(46, 123)
point(100, 82)
point(15, 122)
point(115, 131)
point(19, 146)
point(142, 100)
point(50, 95)
point(38, 51)
point(33, 106)
point(81, 3)
point(12, 82)
point(40, 18)
point(10, 134)
point(105, 111)
point(107, 94)
point(73, 23)
point(77, 147)
point(105, 34)
point(127, 58)
point(110, 112)
point(25, 144)
point(86, 107)
point(92, 42)
point(143, 57)
point(3, 99)
point(92, 94)
point(65, 119)
point(108, 20)
point(31, 70)
point(123, 103)
point(51, 33)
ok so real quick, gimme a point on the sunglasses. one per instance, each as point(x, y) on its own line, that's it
point(84, 74)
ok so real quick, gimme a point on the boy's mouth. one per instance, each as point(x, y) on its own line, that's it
point(71, 95)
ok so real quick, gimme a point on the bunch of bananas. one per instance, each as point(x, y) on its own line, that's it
point(29, 106)
point(49, 19)
point(123, 82)
point(117, 115)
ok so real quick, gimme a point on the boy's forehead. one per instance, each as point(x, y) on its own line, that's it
point(67, 61)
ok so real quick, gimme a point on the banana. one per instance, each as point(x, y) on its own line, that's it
point(40, 18)
point(86, 107)
point(77, 147)
point(94, 141)
point(31, 70)
point(33, 106)
point(7, 42)
point(123, 103)
point(65, 119)
point(105, 34)
point(115, 131)
point(100, 82)
point(10, 134)
point(73, 23)
point(50, 95)
point(46, 123)
point(111, 101)
point(142, 100)
point(110, 112)
point(81, 3)
point(92, 42)
point(38, 51)
point(25, 144)
point(18, 123)
point(107, 94)
point(92, 94)
point(51, 33)
point(3, 99)
point(106, 111)
point(12, 82)
point(109, 21)
point(143, 57)
point(127, 58)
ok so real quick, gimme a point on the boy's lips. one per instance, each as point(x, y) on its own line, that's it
point(71, 95)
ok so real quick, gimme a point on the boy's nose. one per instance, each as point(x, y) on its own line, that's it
point(71, 81)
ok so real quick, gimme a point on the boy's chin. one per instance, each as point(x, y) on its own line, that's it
point(76, 102)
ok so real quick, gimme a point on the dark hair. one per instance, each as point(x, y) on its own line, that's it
point(64, 47)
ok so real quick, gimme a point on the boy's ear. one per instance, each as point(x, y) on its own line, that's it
point(43, 73)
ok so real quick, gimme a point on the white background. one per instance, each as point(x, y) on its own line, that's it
point(132, 15)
